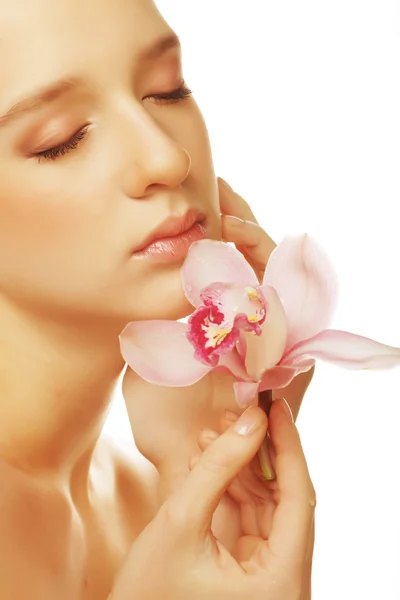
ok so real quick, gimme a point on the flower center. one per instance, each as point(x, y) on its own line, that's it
point(214, 335)
point(210, 334)
point(215, 327)
point(259, 308)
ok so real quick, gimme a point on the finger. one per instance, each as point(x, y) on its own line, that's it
point(252, 478)
point(193, 505)
point(246, 547)
point(240, 226)
point(237, 490)
point(227, 419)
point(232, 203)
point(248, 235)
point(252, 492)
point(206, 437)
point(250, 239)
point(293, 517)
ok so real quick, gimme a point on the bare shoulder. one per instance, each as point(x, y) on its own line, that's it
point(136, 479)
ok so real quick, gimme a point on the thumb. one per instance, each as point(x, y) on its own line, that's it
point(219, 464)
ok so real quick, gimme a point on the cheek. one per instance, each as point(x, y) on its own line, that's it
point(44, 233)
point(33, 221)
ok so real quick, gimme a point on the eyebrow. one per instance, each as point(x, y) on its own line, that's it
point(55, 90)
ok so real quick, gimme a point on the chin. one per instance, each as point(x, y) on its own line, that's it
point(179, 313)
point(166, 305)
point(158, 296)
point(171, 309)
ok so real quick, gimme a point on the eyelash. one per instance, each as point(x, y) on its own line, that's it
point(177, 95)
point(61, 149)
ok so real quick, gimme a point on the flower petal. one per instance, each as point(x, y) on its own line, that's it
point(245, 392)
point(234, 363)
point(160, 353)
point(306, 282)
point(241, 346)
point(266, 350)
point(209, 261)
point(345, 350)
point(280, 376)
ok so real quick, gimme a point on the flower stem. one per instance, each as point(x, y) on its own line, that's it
point(264, 402)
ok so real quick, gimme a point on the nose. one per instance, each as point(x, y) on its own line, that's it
point(155, 158)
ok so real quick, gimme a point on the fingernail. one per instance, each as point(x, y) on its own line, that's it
point(209, 435)
point(287, 409)
point(248, 422)
point(235, 221)
point(231, 416)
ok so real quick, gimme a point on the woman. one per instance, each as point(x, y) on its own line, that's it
point(101, 145)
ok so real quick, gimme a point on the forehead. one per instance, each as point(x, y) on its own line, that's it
point(38, 16)
point(49, 36)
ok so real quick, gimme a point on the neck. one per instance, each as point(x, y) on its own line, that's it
point(56, 384)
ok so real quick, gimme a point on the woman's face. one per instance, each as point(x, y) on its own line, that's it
point(91, 167)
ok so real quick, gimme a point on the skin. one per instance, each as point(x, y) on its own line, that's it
point(179, 548)
point(68, 285)
point(156, 423)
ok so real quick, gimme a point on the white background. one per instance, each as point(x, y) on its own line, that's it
point(302, 102)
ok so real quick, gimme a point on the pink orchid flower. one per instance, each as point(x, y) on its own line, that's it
point(264, 334)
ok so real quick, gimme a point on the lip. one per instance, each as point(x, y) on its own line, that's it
point(172, 238)
point(172, 226)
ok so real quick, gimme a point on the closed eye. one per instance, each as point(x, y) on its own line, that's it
point(61, 149)
point(177, 95)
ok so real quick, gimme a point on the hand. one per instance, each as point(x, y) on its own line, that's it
point(177, 557)
point(166, 421)
point(255, 499)
point(240, 226)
